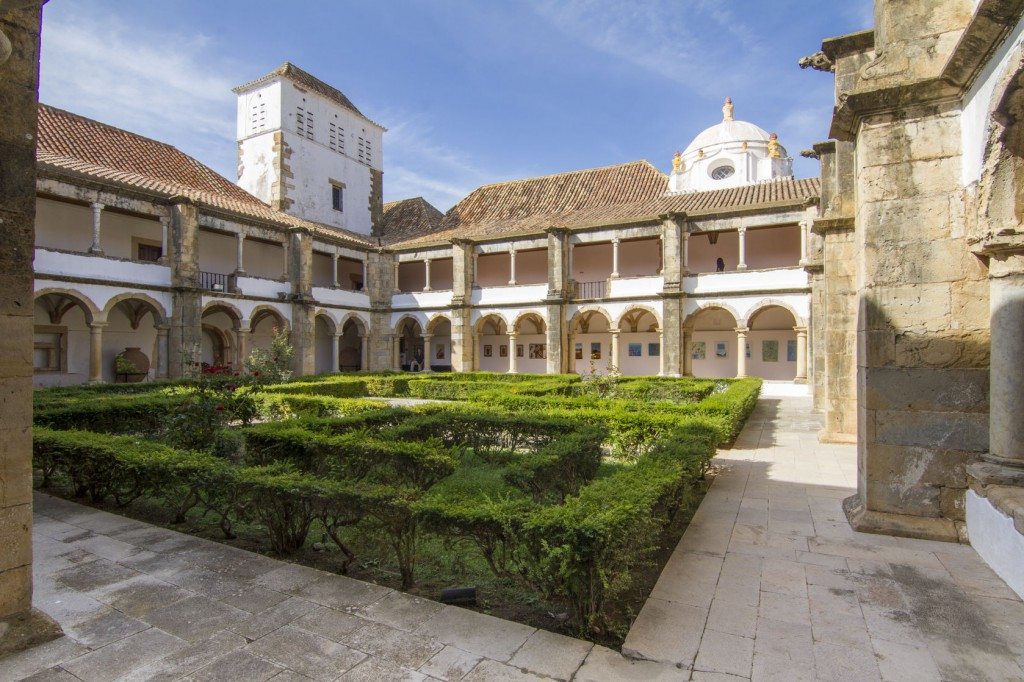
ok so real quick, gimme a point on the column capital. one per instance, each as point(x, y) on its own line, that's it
point(800, 330)
point(97, 326)
point(616, 240)
point(164, 221)
point(742, 330)
point(97, 206)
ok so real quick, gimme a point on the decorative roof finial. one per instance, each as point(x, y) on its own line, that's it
point(774, 149)
point(727, 109)
point(677, 162)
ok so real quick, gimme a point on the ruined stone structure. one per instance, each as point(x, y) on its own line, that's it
point(922, 307)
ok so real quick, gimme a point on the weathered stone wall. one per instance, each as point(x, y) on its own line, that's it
point(185, 335)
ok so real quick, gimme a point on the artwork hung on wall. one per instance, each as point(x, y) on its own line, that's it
point(720, 351)
point(770, 351)
point(579, 351)
point(502, 351)
point(635, 350)
point(699, 350)
point(519, 350)
point(538, 351)
point(439, 352)
point(488, 350)
point(595, 350)
point(653, 350)
point(748, 350)
point(791, 350)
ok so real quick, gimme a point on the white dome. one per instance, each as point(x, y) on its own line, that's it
point(727, 132)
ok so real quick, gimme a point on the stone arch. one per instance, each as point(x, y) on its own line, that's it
point(435, 320)
point(262, 311)
point(536, 318)
point(359, 322)
point(720, 305)
point(484, 319)
point(228, 309)
point(148, 304)
point(766, 303)
point(635, 308)
point(328, 319)
point(583, 316)
point(1000, 199)
point(57, 302)
point(406, 319)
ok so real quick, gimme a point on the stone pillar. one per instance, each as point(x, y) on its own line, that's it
point(19, 93)
point(687, 352)
point(512, 268)
point(559, 353)
point(97, 221)
point(805, 226)
point(613, 352)
point(1006, 382)
point(185, 335)
point(366, 273)
point(427, 339)
point(96, 352)
point(558, 347)
point(426, 275)
point(685, 265)
point(661, 356)
point(161, 351)
point(364, 352)
point(303, 326)
point(475, 274)
point(334, 270)
point(240, 256)
point(286, 245)
point(571, 353)
point(396, 352)
point(397, 289)
point(742, 264)
point(335, 352)
point(513, 361)
point(615, 257)
point(164, 227)
point(741, 352)
point(673, 232)
point(801, 355)
point(242, 345)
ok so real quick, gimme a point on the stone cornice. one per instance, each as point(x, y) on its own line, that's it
point(840, 46)
point(824, 226)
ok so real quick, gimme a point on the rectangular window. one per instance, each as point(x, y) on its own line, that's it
point(148, 253)
point(369, 154)
point(300, 120)
point(337, 197)
point(336, 138)
point(362, 150)
point(309, 125)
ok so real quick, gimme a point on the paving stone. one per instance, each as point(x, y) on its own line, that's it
point(289, 577)
point(394, 646)
point(188, 659)
point(195, 618)
point(238, 665)
point(450, 664)
point(327, 622)
point(340, 592)
point(666, 632)
point(56, 674)
point(305, 653)
point(125, 655)
point(106, 627)
point(492, 671)
point(141, 594)
point(904, 662)
point(552, 655)
point(845, 664)
point(689, 578)
point(736, 618)
point(476, 632)
point(106, 547)
point(374, 670)
point(93, 574)
point(784, 607)
point(604, 665)
point(275, 617)
point(37, 659)
point(721, 652)
point(290, 676)
point(400, 610)
point(700, 676)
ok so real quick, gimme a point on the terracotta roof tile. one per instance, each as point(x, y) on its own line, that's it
point(72, 143)
point(409, 219)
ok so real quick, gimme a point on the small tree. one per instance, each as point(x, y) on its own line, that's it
point(273, 366)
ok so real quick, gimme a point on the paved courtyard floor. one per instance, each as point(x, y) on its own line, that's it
point(768, 582)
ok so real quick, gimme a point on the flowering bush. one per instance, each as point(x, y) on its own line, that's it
point(273, 366)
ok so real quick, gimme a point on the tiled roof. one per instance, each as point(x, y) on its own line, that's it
point(307, 80)
point(633, 192)
point(409, 219)
point(70, 143)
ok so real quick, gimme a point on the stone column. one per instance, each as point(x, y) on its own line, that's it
point(396, 352)
point(97, 221)
point(687, 356)
point(475, 274)
point(615, 257)
point(512, 268)
point(164, 227)
point(685, 265)
point(742, 264)
point(741, 352)
point(673, 232)
point(397, 289)
point(426, 274)
point(240, 256)
point(571, 353)
point(364, 352)
point(161, 351)
point(242, 345)
point(1006, 373)
point(366, 275)
point(801, 355)
point(335, 352)
point(805, 226)
point(513, 361)
point(334, 270)
point(185, 335)
point(613, 352)
point(661, 353)
point(96, 352)
point(303, 323)
point(286, 248)
point(427, 339)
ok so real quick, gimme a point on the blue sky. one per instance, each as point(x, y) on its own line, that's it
point(472, 91)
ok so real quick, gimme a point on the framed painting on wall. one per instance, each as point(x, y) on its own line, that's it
point(700, 349)
point(488, 350)
point(502, 351)
point(748, 350)
point(439, 352)
point(635, 350)
point(770, 351)
point(579, 351)
point(538, 351)
point(519, 350)
point(595, 350)
point(654, 350)
point(791, 350)
point(720, 351)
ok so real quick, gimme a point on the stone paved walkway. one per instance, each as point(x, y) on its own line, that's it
point(770, 582)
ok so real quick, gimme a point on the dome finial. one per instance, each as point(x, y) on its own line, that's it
point(774, 151)
point(677, 162)
point(727, 109)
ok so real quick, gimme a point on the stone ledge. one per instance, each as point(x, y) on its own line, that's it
point(26, 630)
point(902, 525)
